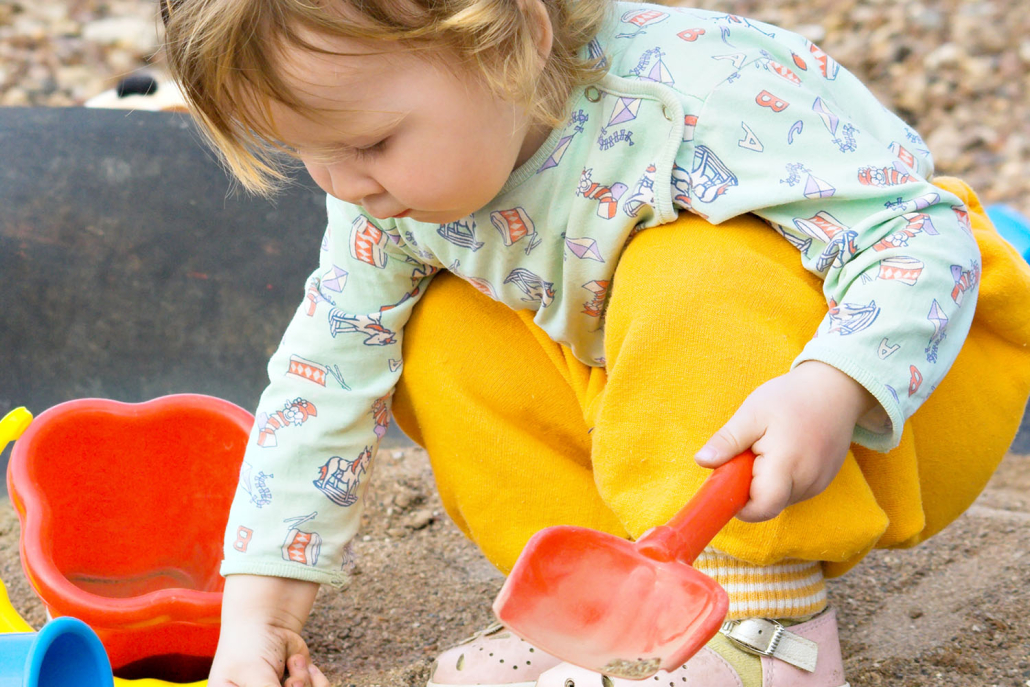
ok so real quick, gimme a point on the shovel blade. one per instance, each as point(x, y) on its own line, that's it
point(593, 600)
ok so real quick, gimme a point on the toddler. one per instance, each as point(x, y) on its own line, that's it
point(585, 251)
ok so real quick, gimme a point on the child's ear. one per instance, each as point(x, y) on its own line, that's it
point(540, 21)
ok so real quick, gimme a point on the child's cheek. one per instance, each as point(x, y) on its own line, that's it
point(430, 182)
point(320, 175)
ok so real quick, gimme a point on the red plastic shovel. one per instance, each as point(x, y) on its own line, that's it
point(622, 608)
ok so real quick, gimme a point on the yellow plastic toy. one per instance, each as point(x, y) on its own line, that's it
point(11, 427)
point(10, 621)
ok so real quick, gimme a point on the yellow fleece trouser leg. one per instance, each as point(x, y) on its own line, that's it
point(498, 407)
point(521, 435)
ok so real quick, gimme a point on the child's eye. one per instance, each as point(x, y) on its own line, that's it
point(370, 151)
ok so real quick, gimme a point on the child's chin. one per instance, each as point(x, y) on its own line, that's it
point(437, 216)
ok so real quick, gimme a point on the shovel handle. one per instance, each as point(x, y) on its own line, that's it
point(720, 497)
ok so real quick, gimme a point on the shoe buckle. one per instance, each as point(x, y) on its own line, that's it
point(762, 642)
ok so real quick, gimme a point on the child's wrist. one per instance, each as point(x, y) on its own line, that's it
point(276, 601)
point(846, 391)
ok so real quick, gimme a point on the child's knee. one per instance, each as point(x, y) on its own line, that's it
point(728, 285)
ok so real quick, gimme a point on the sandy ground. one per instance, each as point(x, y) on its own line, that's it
point(953, 611)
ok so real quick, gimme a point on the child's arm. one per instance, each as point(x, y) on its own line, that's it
point(311, 451)
point(809, 149)
point(261, 622)
point(801, 424)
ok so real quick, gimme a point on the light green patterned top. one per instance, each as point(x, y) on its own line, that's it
point(702, 112)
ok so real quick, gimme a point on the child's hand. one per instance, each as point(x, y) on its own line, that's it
point(254, 655)
point(260, 644)
point(799, 426)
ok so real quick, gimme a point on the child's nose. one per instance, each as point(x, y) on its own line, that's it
point(351, 184)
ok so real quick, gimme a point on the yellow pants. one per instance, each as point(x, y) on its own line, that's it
point(521, 435)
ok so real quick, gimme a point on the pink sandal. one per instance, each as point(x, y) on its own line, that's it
point(493, 657)
point(746, 653)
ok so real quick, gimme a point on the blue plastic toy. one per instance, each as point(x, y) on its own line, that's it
point(1013, 227)
point(65, 653)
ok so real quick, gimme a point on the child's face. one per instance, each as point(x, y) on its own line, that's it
point(402, 135)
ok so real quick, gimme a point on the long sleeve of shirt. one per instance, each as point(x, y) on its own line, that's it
point(326, 407)
point(700, 111)
point(797, 140)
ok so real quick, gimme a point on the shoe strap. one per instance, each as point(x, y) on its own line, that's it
point(766, 637)
point(487, 631)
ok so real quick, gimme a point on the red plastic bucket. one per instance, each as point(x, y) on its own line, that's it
point(123, 510)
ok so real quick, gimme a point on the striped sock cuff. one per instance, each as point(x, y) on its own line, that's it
point(792, 588)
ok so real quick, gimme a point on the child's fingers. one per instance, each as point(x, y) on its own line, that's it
point(732, 439)
point(242, 674)
point(297, 671)
point(770, 491)
point(317, 678)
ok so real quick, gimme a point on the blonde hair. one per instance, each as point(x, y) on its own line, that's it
point(222, 53)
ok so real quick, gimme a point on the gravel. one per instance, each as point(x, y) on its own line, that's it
point(957, 70)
